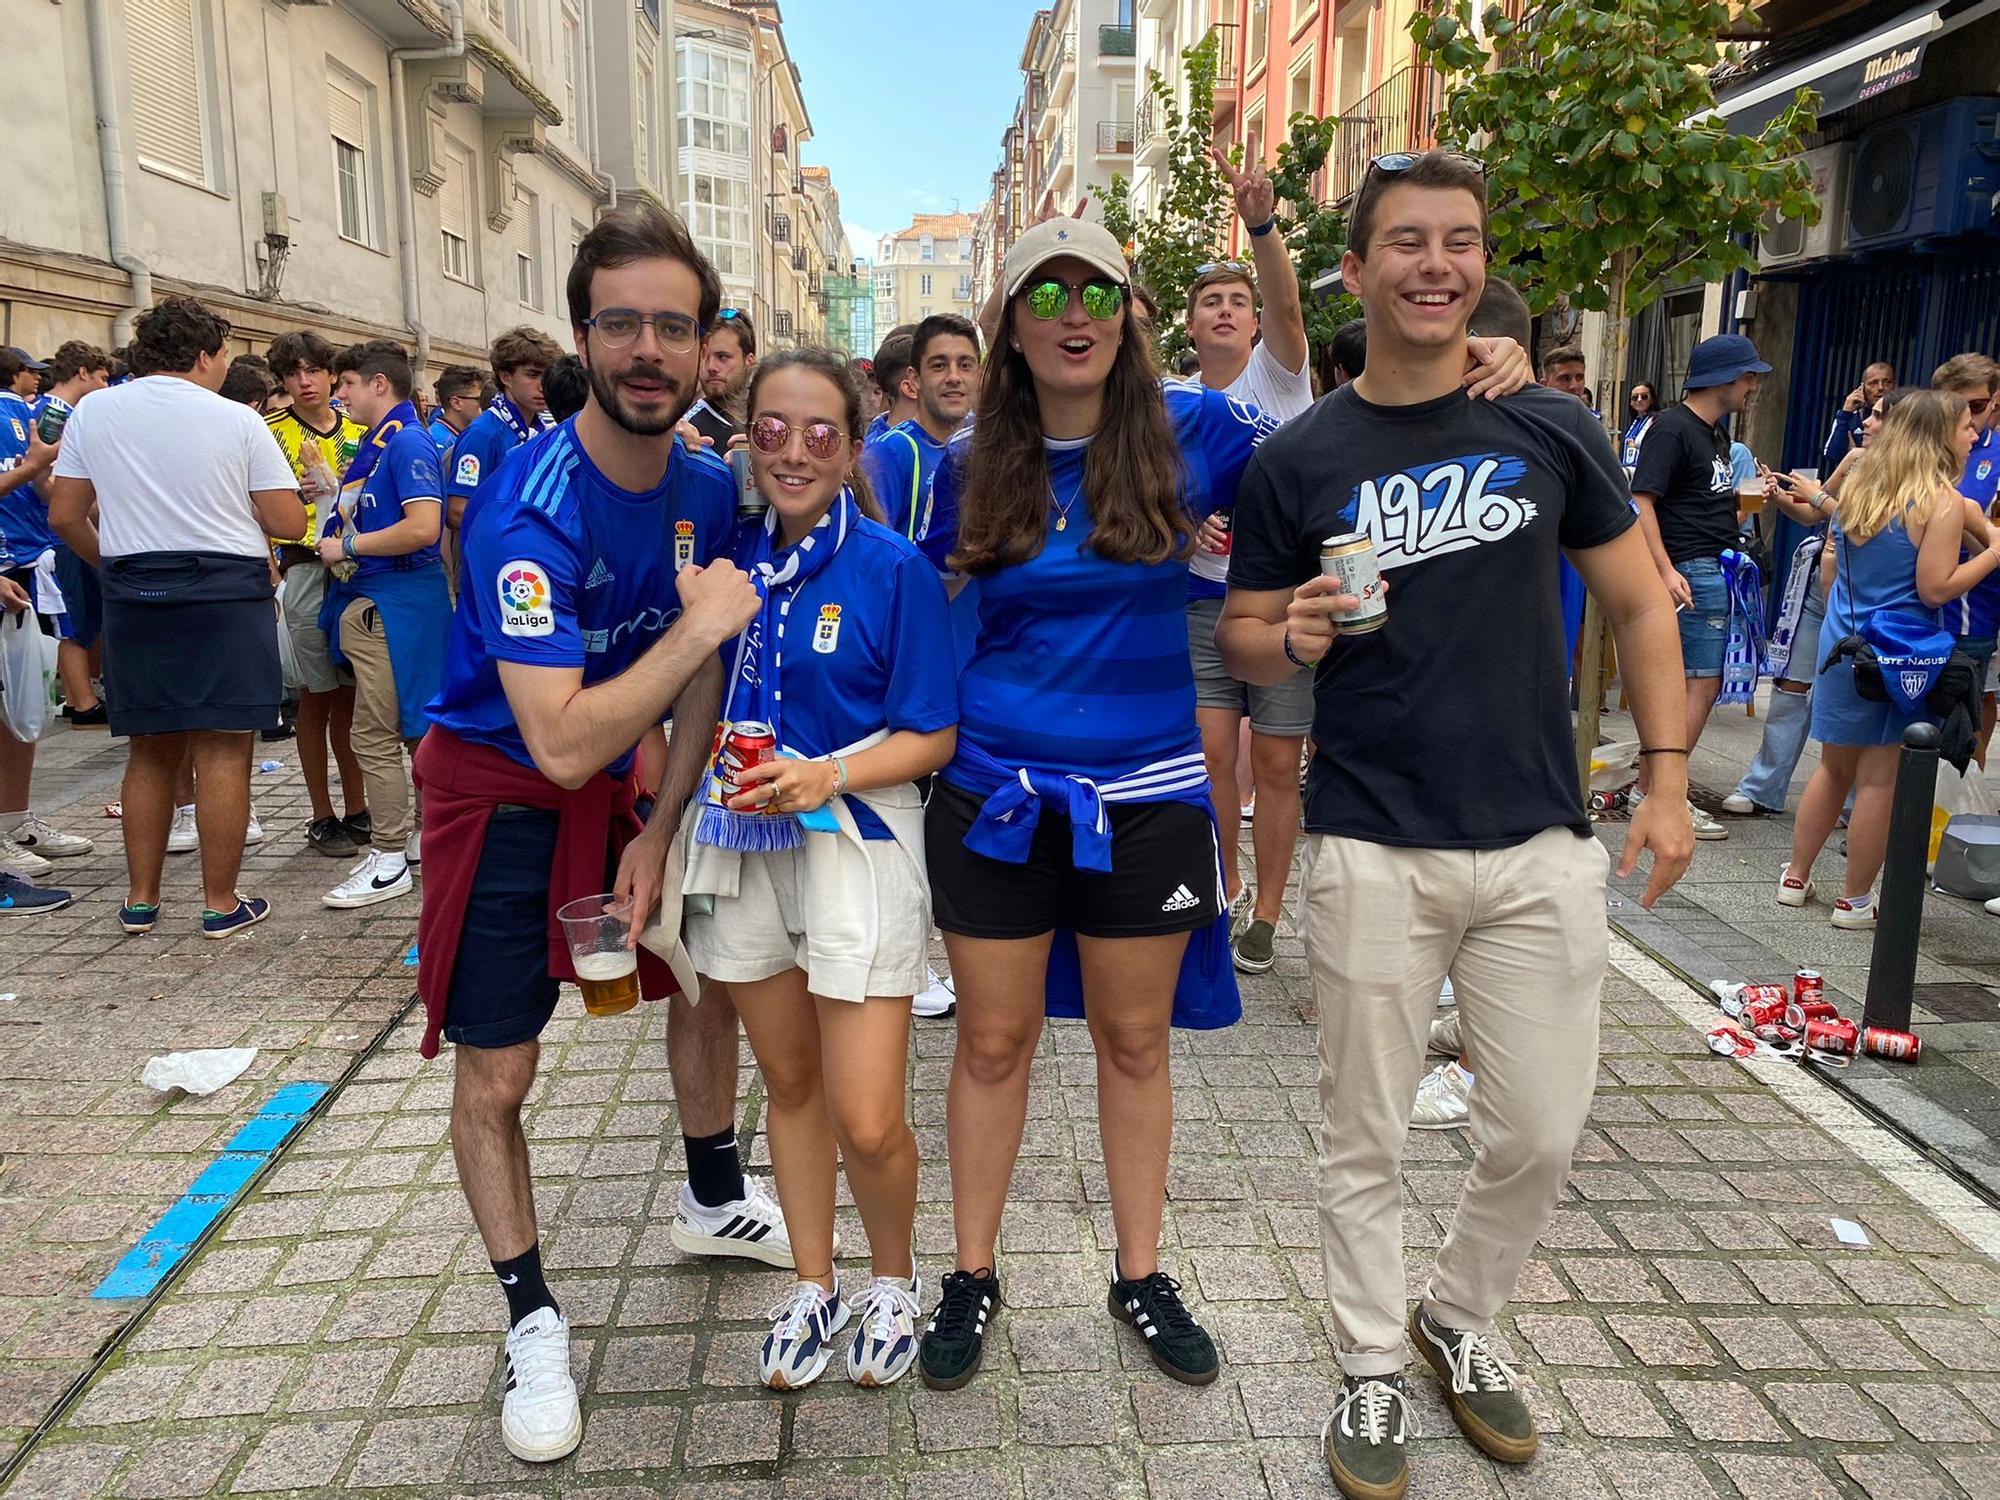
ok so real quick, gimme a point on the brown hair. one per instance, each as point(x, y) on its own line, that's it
point(833, 368)
point(523, 346)
point(1438, 170)
point(1133, 478)
point(73, 358)
point(171, 337)
point(623, 237)
point(1568, 354)
point(1964, 371)
point(298, 350)
point(1222, 275)
point(375, 357)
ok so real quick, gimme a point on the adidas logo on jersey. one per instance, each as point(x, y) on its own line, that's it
point(599, 575)
point(1182, 899)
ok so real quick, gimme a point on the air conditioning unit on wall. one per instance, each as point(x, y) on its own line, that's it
point(1930, 175)
point(1791, 242)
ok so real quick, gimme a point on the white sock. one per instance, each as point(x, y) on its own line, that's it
point(13, 820)
point(1464, 1072)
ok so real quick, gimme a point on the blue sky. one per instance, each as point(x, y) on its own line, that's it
point(908, 99)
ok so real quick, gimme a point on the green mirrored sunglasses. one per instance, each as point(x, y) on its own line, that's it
point(1048, 299)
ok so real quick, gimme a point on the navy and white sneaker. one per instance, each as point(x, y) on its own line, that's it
point(23, 898)
point(752, 1227)
point(885, 1345)
point(248, 912)
point(800, 1342)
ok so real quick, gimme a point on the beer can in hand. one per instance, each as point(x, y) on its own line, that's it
point(750, 501)
point(1350, 558)
point(745, 743)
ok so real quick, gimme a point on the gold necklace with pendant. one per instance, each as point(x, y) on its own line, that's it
point(1062, 510)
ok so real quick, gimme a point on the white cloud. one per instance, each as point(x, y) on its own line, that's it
point(861, 240)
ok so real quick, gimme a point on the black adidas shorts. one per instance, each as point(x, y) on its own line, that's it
point(1163, 874)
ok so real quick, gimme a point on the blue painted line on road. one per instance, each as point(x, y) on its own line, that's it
point(208, 1197)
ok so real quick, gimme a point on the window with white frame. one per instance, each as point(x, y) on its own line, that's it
point(572, 71)
point(719, 215)
point(457, 214)
point(1253, 135)
point(713, 97)
point(527, 248)
point(885, 284)
point(1301, 91)
point(929, 252)
point(173, 88)
point(506, 14)
point(924, 290)
point(1260, 35)
point(348, 107)
point(643, 121)
point(576, 233)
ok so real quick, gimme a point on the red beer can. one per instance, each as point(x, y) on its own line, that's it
point(1808, 984)
point(746, 743)
point(1898, 1046)
point(1834, 1034)
point(1769, 1011)
point(1799, 1012)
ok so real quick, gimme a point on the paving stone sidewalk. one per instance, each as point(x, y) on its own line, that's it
point(90, 1158)
point(1690, 1326)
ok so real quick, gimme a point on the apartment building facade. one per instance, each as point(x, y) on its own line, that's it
point(924, 269)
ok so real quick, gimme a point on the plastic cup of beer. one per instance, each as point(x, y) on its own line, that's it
point(607, 971)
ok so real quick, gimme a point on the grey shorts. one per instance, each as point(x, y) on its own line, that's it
point(309, 663)
point(1285, 711)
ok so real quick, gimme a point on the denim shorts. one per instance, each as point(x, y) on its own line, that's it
point(1705, 623)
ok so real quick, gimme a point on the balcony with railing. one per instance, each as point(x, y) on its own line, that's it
point(1228, 80)
point(782, 323)
point(1149, 134)
point(1400, 115)
point(1117, 42)
point(781, 229)
point(1114, 137)
point(799, 258)
point(1062, 70)
point(1053, 162)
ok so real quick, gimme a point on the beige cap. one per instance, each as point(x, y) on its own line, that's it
point(1052, 239)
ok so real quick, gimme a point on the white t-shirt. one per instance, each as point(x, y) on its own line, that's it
point(173, 465)
point(1270, 387)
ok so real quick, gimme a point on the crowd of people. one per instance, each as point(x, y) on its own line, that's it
point(1021, 630)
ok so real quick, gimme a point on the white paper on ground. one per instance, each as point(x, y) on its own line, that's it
point(197, 1073)
point(1850, 1233)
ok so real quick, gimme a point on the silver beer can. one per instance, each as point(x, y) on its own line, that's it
point(750, 501)
point(1350, 558)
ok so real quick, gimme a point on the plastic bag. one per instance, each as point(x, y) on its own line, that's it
point(29, 693)
point(1968, 858)
point(1957, 792)
point(200, 1072)
point(1613, 766)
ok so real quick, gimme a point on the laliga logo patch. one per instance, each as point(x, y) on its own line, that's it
point(524, 600)
point(468, 470)
point(683, 544)
point(826, 634)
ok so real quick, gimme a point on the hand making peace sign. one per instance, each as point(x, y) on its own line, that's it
point(1256, 199)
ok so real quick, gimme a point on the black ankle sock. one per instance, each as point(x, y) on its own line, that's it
point(715, 1171)
point(521, 1279)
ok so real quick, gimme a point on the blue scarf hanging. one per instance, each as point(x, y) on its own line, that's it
point(1746, 629)
point(516, 421)
point(753, 693)
point(1792, 608)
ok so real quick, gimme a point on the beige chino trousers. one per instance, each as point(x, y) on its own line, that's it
point(1521, 932)
point(377, 735)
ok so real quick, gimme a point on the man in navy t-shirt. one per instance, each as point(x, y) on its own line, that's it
point(386, 607)
point(595, 593)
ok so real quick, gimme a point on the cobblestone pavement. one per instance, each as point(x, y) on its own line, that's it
point(89, 1158)
point(1690, 1326)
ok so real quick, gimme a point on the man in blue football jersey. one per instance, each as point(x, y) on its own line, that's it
point(595, 594)
point(75, 370)
point(520, 358)
point(944, 356)
point(387, 609)
point(462, 394)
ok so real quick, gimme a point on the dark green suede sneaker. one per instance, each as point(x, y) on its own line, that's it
point(1363, 1438)
point(1479, 1388)
point(1255, 947)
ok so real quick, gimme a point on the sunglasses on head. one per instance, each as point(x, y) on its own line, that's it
point(772, 435)
point(1048, 299)
point(1396, 163)
point(1220, 265)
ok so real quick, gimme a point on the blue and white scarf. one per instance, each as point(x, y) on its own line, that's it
point(1746, 628)
point(1792, 608)
point(516, 421)
point(754, 693)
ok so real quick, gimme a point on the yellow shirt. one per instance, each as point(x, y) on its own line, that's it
point(337, 447)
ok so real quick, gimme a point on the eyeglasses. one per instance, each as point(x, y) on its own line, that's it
point(1978, 405)
point(1049, 299)
point(773, 435)
point(619, 326)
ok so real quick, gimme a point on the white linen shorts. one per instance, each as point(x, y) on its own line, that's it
point(760, 931)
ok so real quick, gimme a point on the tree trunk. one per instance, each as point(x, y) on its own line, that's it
point(1590, 684)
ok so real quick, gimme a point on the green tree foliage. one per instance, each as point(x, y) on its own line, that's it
point(1609, 176)
point(1315, 234)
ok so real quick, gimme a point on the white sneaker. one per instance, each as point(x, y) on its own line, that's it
point(1634, 797)
point(34, 834)
point(379, 877)
point(885, 1345)
point(1444, 1099)
point(1447, 996)
point(752, 1227)
point(539, 1417)
point(413, 851)
point(1854, 916)
point(23, 862)
point(800, 1342)
point(253, 832)
point(183, 837)
point(937, 998)
point(1705, 827)
point(1447, 1039)
point(1739, 806)
point(1793, 891)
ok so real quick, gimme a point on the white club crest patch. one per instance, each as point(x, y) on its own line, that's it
point(467, 471)
point(826, 631)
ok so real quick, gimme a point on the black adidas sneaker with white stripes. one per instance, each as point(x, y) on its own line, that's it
point(1152, 1304)
point(752, 1227)
point(955, 1337)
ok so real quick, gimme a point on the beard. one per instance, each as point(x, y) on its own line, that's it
point(611, 400)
